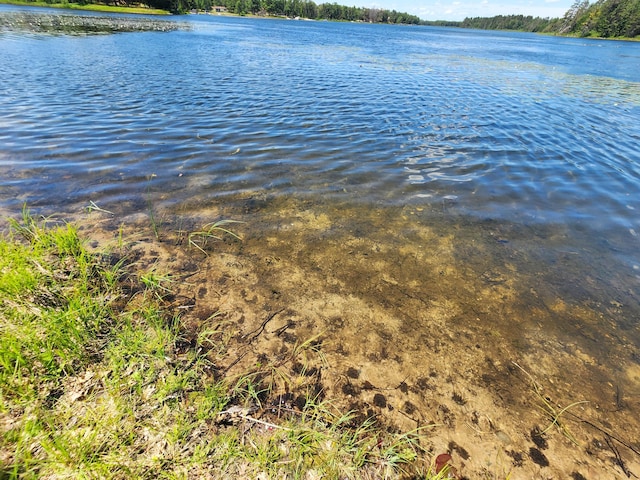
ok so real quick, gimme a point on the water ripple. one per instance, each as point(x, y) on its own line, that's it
point(510, 129)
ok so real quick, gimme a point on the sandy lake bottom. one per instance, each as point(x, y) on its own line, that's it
point(504, 341)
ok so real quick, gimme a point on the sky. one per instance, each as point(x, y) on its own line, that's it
point(459, 9)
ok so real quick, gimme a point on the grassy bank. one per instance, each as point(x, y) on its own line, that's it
point(90, 7)
point(99, 379)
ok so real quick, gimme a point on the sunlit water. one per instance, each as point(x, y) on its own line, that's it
point(502, 125)
point(523, 149)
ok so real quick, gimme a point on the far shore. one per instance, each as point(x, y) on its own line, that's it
point(114, 9)
point(89, 7)
point(155, 11)
point(130, 10)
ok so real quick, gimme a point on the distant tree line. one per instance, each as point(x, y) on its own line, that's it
point(508, 22)
point(281, 8)
point(604, 18)
point(303, 9)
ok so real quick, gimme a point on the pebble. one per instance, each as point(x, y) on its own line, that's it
point(503, 437)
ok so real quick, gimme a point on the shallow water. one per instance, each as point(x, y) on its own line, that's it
point(434, 188)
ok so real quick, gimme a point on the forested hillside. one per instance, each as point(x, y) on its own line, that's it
point(604, 18)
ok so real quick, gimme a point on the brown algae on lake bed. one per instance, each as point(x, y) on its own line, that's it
point(500, 338)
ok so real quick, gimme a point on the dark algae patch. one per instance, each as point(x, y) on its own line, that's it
point(379, 400)
point(538, 457)
point(538, 438)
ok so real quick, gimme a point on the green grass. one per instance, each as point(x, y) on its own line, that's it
point(211, 231)
point(93, 383)
point(91, 7)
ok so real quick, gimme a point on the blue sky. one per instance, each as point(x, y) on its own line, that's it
point(459, 9)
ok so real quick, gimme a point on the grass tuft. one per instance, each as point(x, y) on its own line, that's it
point(211, 231)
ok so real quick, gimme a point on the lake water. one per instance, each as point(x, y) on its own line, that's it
point(495, 177)
point(503, 125)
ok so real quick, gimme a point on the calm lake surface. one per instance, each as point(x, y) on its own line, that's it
point(531, 140)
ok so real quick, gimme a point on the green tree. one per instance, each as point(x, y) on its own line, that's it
point(572, 17)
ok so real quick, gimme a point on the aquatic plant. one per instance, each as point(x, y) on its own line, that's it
point(93, 207)
point(78, 24)
point(211, 231)
point(553, 412)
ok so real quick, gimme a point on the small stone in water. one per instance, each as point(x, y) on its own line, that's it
point(503, 437)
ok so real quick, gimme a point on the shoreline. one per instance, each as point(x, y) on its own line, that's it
point(149, 11)
point(390, 348)
point(108, 363)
